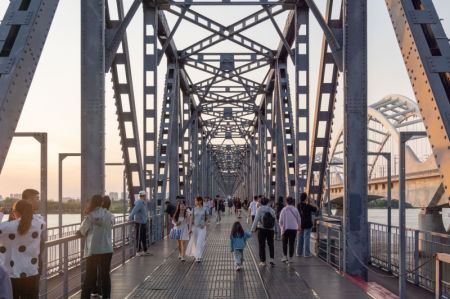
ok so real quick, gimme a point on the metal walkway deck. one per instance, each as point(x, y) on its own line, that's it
point(215, 277)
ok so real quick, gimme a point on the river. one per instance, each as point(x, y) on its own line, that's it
point(375, 215)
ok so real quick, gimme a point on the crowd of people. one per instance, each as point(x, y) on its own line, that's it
point(269, 219)
point(23, 235)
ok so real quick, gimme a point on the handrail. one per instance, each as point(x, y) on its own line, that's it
point(74, 237)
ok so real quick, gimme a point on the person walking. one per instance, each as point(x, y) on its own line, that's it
point(279, 205)
point(238, 241)
point(290, 224)
point(97, 229)
point(238, 207)
point(218, 203)
point(139, 215)
point(265, 223)
point(181, 221)
point(196, 245)
point(20, 249)
point(305, 208)
point(230, 206)
point(252, 208)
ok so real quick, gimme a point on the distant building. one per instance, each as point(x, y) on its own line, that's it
point(15, 195)
point(114, 196)
point(66, 199)
point(1, 198)
point(126, 195)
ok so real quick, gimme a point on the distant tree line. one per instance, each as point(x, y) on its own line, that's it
point(382, 204)
point(70, 206)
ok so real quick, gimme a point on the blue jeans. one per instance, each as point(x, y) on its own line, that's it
point(303, 244)
point(238, 256)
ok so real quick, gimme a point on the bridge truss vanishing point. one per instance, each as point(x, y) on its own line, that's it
point(230, 133)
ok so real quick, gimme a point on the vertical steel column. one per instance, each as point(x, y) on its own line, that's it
point(92, 99)
point(173, 158)
point(281, 171)
point(355, 138)
point(194, 161)
point(262, 157)
point(301, 94)
point(92, 103)
point(150, 94)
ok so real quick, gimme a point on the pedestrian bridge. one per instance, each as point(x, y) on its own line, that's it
point(163, 275)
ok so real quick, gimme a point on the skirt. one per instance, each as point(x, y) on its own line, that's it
point(196, 245)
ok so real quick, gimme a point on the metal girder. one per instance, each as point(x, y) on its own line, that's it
point(150, 93)
point(284, 132)
point(426, 53)
point(124, 97)
point(323, 116)
point(301, 61)
point(167, 150)
point(231, 32)
point(23, 32)
point(92, 99)
point(355, 223)
point(116, 31)
point(332, 35)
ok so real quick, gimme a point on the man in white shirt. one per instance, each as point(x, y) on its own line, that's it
point(253, 207)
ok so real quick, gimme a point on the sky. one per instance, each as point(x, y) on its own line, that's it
point(53, 102)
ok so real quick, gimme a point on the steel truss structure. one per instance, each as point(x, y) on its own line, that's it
point(229, 133)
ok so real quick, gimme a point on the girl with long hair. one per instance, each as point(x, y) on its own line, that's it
point(96, 228)
point(196, 245)
point(181, 221)
point(238, 241)
point(20, 248)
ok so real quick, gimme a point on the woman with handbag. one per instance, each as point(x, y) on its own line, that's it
point(197, 243)
point(180, 231)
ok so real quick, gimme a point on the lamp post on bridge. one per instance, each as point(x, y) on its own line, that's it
point(404, 137)
point(41, 137)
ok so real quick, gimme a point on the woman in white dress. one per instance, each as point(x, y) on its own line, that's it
point(181, 220)
point(196, 245)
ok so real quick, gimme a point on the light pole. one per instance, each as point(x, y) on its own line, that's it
point(404, 137)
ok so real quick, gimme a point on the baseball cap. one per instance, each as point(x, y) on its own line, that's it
point(142, 193)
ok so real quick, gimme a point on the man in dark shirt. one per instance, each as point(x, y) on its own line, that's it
point(170, 209)
point(305, 208)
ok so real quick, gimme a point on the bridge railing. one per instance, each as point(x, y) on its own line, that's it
point(442, 284)
point(421, 248)
point(329, 242)
point(63, 272)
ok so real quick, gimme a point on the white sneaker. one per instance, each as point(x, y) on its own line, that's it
point(182, 259)
point(138, 253)
point(146, 253)
point(237, 268)
point(262, 263)
point(272, 262)
point(179, 256)
point(284, 259)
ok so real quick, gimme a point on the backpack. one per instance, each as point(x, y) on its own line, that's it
point(268, 221)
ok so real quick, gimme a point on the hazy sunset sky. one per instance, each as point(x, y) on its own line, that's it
point(53, 103)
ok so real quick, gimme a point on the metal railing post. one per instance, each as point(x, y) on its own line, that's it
point(66, 270)
point(416, 257)
point(328, 245)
